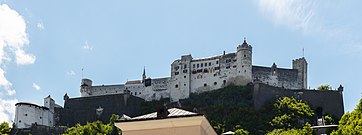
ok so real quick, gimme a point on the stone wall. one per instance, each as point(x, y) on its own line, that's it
point(330, 101)
point(82, 110)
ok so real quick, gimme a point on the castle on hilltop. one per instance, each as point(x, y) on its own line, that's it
point(191, 75)
point(188, 75)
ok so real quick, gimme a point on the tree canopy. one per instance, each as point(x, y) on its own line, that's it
point(95, 128)
point(291, 113)
point(351, 122)
point(4, 128)
point(324, 87)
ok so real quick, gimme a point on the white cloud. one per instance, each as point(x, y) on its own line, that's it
point(87, 46)
point(36, 86)
point(307, 17)
point(7, 109)
point(13, 40)
point(71, 73)
point(295, 14)
point(40, 25)
point(23, 59)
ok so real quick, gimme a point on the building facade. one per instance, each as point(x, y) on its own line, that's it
point(194, 75)
point(27, 114)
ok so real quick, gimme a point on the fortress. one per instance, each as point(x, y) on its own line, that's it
point(190, 75)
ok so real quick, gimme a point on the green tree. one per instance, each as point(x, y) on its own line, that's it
point(307, 130)
point(291, 113)
point(241, 132)
point(95, 128)
point(324, 87)
point(351, 122)
point(4, 128)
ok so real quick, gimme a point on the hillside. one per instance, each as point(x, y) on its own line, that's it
point(230, 108)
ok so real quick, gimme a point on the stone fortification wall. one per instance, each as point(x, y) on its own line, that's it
point(82, 110)
point(278, 77)
point(329, 101)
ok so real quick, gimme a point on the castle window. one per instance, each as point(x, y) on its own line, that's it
point(184, 71)
point(217, 62)
point(205, 70)
point(234, 60)
point(194, 72)
point(244, 70)
point(40, 117)
point(139, 93)
point(227, 67)
point(198, 65)
point(185, 76)
point(184, 84)
point(202, 64)
point(244, 55)
point(176, 86)
point(205, 64)
point(209, 63)
point(135, 93)
point(185, 65)
point(205, 84)
point(242, 66)
point(199, 70)
point(234, 66)
point(193, 65)
point(26, 114)
point(228, 60)
point(177, 67)
point(176, 73)
point(224, 81)
point(215, 83)
point(215, 74)
point(19, 121)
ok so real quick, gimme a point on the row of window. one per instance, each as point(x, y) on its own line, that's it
point(198, 65)
point(205, 84)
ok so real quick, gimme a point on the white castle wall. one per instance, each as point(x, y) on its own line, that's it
point(27, 114)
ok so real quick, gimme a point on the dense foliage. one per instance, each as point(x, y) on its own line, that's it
point(351, 122)
point(241, 132)
point(307, 130)
point(4, 128)
point(95, 128)
point(229, 109)
point(291, 113)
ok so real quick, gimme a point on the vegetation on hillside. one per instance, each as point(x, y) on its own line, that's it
point(95, 128)
point(231, 108)
point(4, 128)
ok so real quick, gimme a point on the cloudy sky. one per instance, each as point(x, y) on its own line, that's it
point(45, 44)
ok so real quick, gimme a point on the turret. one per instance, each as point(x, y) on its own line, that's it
point(85, 87)
point(301, 65)
point(244, 62)
point(49, 103)
point(180, 78)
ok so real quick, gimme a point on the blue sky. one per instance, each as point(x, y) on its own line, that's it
point(45, 44)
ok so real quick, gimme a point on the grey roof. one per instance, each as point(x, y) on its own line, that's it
point(173, 113)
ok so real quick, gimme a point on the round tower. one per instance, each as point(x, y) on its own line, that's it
point(244, 62)
point(85, 87)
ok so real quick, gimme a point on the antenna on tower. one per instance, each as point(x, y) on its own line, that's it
point(82, 72)
point(303, 52)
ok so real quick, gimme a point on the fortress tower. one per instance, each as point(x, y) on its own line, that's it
point(301, 65)
point(180, 78)
point(244, 63)
point(85, 87)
